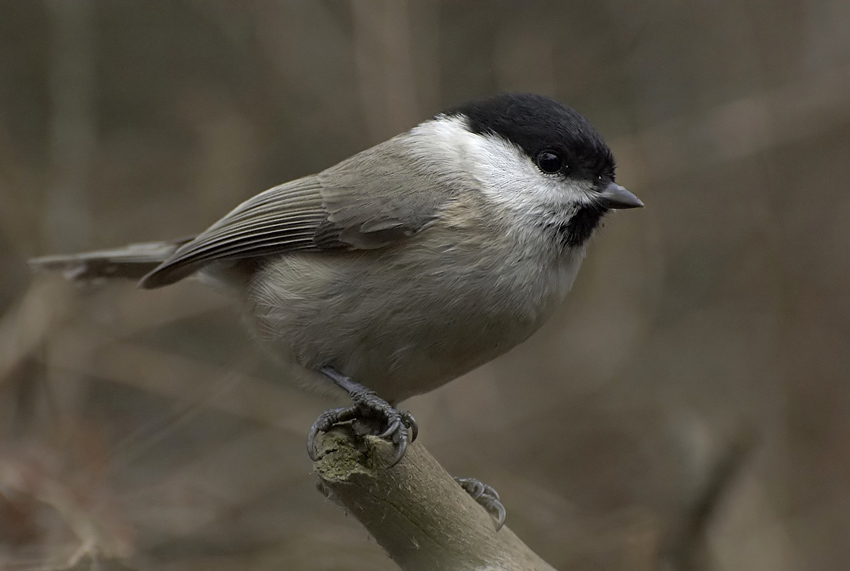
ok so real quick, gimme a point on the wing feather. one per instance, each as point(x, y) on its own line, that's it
point(283, 218)
point(369, 201)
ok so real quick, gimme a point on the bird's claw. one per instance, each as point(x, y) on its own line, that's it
point(368, 406)
point(326, 420)
point(410, 422)
point(391, 429)
point(485, 496)
point(397, 422)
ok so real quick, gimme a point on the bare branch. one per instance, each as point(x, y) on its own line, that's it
point(415, 510)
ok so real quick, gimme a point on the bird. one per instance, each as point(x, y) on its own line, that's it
point(406, 265)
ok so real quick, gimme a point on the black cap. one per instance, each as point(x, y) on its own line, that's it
point(535, 124)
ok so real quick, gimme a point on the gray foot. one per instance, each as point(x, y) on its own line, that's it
point(486, 497)
point(366, 406)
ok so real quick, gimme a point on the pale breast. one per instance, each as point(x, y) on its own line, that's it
point(406, 320)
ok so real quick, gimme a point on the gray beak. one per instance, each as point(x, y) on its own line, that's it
point(617, 197)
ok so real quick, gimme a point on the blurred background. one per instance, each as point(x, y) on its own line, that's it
point(687, 408)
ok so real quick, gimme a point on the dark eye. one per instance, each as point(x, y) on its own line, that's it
point(549, 161)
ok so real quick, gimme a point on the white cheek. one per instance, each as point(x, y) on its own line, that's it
point(528, 198)
point(509, 177)
point(493, 166)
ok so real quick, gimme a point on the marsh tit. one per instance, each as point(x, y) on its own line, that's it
point(408, 264)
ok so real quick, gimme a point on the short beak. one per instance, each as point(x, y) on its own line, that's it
point(617, 197)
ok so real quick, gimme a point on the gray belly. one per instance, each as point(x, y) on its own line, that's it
point(401, 325)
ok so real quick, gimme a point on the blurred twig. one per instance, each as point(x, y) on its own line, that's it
point(185, 379)
point(32, 478)
point(688, 550)
point(24, 326)
point(415, 510)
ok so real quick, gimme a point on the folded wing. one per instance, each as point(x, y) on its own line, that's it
point(362, 203)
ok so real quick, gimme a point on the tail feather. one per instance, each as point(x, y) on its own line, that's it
point(130, 262)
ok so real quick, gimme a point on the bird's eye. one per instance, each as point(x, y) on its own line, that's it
point(549, 161)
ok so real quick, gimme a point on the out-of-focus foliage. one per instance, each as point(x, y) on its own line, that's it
point(708, 331)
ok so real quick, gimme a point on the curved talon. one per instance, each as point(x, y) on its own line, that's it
point(410, 422)
point(325, 421)
point(486, 497)
point(401, 447)
point(391, 429)
point(497, 510)
point(311, 448)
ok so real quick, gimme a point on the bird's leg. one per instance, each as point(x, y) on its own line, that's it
point(368, 406)
point(486, 497)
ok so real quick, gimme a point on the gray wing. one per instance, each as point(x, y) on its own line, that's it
point(379, 196)
point(366, 202)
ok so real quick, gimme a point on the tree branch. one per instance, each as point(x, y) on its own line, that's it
point(415, 510)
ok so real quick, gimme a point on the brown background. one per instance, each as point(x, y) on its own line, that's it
point(712, 327)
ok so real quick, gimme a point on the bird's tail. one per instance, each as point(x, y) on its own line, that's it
point(129, 262)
